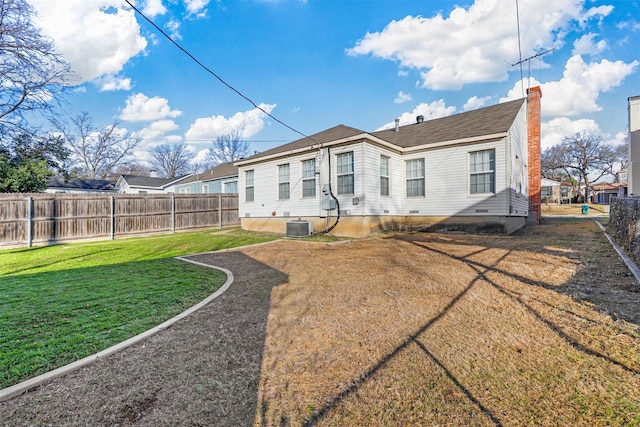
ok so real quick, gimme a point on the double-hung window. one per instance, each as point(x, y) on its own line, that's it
point(482, 173)
point(248, 186)
point(415, 177)
point(384, 175)
point(309, 178)
point(345, 173)
point(283, 182)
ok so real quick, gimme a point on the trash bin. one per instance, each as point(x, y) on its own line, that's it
point(585, 209)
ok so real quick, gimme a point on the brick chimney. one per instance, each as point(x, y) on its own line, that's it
point(534, 96)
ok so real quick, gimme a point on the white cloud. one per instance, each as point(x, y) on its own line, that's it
point(196, 7)
point(578, 90)
point(174, 29)
point(430, 111)
point(587, 45)
point(472, 44)
point(246, 123)
point(475, 102)
point(553, 131)
point(140, 108)
point(402, 97)
point(109, 83)
point(153, 8)
point(201, 157)
point(96, 37)
point(156, 134)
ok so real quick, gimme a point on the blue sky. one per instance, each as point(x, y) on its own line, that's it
point(317, 64)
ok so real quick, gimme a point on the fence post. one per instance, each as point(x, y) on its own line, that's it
point(113, 217)
point(29, 221)
point(219, 210)
point(173, 212)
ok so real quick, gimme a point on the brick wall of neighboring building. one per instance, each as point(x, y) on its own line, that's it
point(535, 174)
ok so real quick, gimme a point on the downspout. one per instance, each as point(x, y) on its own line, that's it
point(327, 230)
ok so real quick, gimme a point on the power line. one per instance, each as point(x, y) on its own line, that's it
point(208, 70)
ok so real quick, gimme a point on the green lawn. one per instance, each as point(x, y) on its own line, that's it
point(63, 303)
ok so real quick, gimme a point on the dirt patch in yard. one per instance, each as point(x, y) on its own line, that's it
point(540, 328)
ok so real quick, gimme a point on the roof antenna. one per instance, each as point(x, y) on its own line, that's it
point(528, 61)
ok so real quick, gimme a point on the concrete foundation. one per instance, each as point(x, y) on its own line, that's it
point(359, 226)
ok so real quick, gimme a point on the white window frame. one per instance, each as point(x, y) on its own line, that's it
point(308, 178)
point(415, 175)
point(205, 188)
point(385, 167)
point(484, 169)
point(284, 181)
point(249, 189)
point(344, 173)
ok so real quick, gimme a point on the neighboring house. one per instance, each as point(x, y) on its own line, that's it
point(137, 184)
point(467, 169)
point(550, 191)
point(58, 184)
point(602, 193)
point(220, 179)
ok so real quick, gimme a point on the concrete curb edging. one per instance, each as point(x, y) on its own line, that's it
point(630, 264)
point(27, 385)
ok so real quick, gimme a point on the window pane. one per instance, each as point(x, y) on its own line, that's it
point(345, 184)
point(249, 194)
point(309, 188)
point(384, 166)
point(384, 186)
point(283, 191)
point(249, 178)
point(309, 169)
point(415, 177)
point(345, 163)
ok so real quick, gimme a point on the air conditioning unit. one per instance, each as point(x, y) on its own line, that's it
point(299, 228)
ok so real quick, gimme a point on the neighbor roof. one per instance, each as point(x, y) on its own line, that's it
point(151, 182)
point(80, 184)
point(484, 121)
point(221, 171)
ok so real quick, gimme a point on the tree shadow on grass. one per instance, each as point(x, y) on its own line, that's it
point(485, 273)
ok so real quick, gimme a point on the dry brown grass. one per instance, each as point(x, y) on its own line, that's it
point(431, 329)
point(571, 209)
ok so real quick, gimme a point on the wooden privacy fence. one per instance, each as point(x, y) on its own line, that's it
point(28, 219)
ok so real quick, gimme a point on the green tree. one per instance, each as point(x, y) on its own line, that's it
point(28, 162)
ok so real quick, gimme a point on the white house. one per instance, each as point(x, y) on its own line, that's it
point(136, 184)
point(467, 170)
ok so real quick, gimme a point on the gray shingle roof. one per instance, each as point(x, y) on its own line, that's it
point(332, 134)
point(221, 171)
point(80, 184)
point(477, 123)
point(484, 121)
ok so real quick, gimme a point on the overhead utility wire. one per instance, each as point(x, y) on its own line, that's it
point(207, 69)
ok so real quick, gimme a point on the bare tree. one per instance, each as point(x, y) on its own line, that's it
point(172, 160)
point(228, 148)
point(582, 156)
point(129, 168)
point(97, 151)
point(32, 74)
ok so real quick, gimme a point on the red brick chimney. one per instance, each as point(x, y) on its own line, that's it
point(534, 95)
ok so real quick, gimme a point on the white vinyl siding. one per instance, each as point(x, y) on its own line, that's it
point(345, 173)
point(384, 175)
point(482, 169)
point(309, 178)
point(415, 177)
point(248, 186)
point(284, 176)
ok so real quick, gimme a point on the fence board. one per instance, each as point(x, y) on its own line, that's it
point(65, 217)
